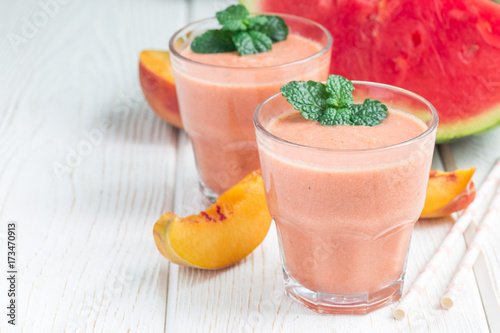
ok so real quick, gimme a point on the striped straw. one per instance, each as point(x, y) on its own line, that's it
point(475, 211)
point(457, 284)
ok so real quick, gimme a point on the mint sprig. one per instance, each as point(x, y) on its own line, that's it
point(273, 26)
point(251, 42)
point(332, 104)
point(339, 90)
point(214, 41)
point(247, 35)
point(233, 18)
point(309, 97)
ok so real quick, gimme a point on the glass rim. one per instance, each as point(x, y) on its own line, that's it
point(175, 36)
point(433, 125)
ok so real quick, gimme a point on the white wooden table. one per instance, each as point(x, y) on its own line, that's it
point(86, 258)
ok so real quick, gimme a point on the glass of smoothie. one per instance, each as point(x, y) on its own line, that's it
point(218, 94)
point(345, 198)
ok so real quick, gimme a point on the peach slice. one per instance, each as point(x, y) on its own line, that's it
point(221, 235)
point(448, 192)
point(158, 85)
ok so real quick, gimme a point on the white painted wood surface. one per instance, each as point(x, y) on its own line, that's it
point(86, 257)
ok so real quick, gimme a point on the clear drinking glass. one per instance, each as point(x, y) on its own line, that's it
point(345, 217)
point(217, 102)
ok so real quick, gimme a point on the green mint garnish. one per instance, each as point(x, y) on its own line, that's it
point(214, 41)
point(332, 104)
point(370, 113)
point(233, 18)
point(247, 35)
point(339, 91)
point(308, 97)
point(251, 42)
point(273, 26)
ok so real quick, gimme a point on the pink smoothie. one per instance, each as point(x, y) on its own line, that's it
point(345, 218)
point(217, 102)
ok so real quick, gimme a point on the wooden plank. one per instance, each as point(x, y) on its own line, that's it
point(481, 152)
point(87, 259)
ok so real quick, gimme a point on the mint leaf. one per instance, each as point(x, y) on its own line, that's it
point(232, 18)
point(256, 21)
point(340, 90)
point(308, 97)
point(213, 41)
point(251, 42)
point(332, 104)
point(248, 35)
point(275, 28)
point(334, 116)
point(370, 113)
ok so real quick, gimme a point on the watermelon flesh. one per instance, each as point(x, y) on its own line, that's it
point(447, 51)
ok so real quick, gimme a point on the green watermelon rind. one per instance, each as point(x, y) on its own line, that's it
point(479, 124)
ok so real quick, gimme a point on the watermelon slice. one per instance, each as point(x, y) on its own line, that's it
point(448, 51)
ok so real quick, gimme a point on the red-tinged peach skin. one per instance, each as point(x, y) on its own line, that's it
point(448, 192)
point(158, 85)
point(221, 235)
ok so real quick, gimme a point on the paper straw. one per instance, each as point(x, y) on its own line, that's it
point(457, 283)
point(475, 211)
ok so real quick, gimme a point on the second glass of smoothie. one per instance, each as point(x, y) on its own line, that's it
point(218, 93)
point(345, 198)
